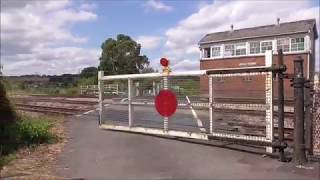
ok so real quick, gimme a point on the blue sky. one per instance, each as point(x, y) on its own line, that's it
point(135, 19)
point(56, 37)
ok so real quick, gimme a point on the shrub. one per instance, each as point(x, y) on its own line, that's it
point(88, 81)
point(72, 91)
point(27, 131)
point(35, 131)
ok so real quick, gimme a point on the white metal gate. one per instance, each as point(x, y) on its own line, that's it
point(134, 111)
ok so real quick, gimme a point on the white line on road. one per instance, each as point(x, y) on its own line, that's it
point(199, 122)
point(78, 115)
point(88, 112)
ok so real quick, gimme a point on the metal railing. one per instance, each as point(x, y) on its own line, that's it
point(198, 115)
point(111, 89)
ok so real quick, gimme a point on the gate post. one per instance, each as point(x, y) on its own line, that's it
point(101, 93)
point(269, 102)
point(154, 88)
point(130, 106)
point(298, 84)
point(211, 103)
point(165, 87)
point(308, 116)
point(281, 107)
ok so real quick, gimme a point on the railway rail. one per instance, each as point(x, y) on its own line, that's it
point(288, 102)
point(66, 101)
point(47, 109)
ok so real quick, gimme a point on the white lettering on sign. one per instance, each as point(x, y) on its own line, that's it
point(248, 64)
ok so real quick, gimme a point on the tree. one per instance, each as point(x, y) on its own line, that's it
point(122, 56)
point(89, 72)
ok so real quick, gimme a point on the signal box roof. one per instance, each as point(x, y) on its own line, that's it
point(288, 28)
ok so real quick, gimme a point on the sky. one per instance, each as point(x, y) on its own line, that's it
point(64, 36)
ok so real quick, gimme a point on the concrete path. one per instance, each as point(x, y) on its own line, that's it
point(92, 153)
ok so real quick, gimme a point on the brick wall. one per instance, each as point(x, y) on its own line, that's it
point(241, 87)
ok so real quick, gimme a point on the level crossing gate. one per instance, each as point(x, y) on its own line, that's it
point(197, 114)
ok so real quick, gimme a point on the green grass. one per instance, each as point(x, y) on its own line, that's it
point(27, 131)
point(6, 159)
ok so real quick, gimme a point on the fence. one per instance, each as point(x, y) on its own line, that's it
point(199, 115)
point(110, 89)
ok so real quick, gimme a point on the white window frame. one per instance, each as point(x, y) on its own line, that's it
point(249, 52)
point(239, 46)
point(284, 38)
point(220, 53)
point(270, 41)
point(298, 50)
point(224, 54)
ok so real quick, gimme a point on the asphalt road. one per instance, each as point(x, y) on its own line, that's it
point(92, 153)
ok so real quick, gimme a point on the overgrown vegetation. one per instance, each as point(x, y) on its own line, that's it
point(66, 84)
point(7, 114)
point(25, 132)
point(19, 131)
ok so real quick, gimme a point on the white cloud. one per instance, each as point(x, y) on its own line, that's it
point(157, 6)
point(186, 64)
point(149, 42)
point(182, 40)
point(36, 35)
point(52, 61)
point(88, 6)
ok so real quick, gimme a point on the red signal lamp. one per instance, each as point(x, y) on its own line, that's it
point(164, 62)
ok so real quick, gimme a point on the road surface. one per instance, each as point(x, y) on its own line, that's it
point(92, 153)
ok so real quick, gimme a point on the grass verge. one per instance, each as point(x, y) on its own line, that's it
point(27, 131)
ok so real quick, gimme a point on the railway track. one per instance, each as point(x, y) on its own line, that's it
point(47, 109)
point(65, 101)
point(251, 112)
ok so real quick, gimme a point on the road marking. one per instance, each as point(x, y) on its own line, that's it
point(78, 115)
point(124, 99)
point(199, 122)
point(106, 105)
point(88, 112)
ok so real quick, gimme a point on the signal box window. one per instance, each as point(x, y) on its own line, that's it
point(283, 44)
point(241, 49)
point(229, 50)
point(216, 51)
point(254, 47)
point(206, 53)
point(297, 44)
point(266, 45)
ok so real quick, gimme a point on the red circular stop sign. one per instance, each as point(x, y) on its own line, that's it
point(166, 103)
